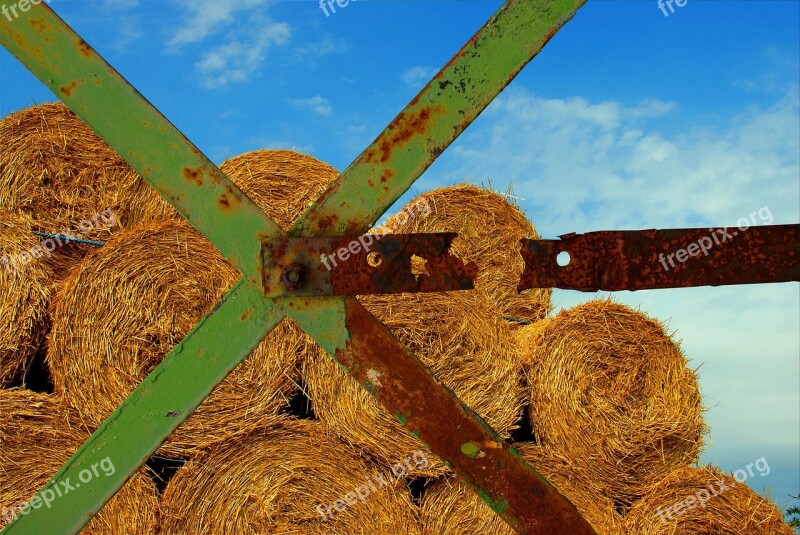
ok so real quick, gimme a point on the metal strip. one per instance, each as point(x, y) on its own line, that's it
point(673, 258)
point(436, 117)
point(360, 265)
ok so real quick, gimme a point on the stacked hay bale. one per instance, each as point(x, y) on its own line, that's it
point(293, 479)
point(459, 337)
point(24, 295)
point(54, 168)
point(612, 391)
point(36, 439)
point(489, 231)
point(127, 305)
point(704, 501)
point(449, 506)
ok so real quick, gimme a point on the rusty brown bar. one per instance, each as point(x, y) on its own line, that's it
point(460, 437)
point(361, 265)
point(671, 258)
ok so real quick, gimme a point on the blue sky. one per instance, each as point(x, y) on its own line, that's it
point(629, 119)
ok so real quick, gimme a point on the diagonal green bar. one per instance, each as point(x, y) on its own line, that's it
point(436, 117)
point(157, 150)
point(154, 410)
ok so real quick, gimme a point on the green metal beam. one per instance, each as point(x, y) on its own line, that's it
point(139, 133)
point(164, 400)
point(436, 117)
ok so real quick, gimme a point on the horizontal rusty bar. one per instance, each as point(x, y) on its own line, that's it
point(361, 265)
point(432, 412)
point(671, 258)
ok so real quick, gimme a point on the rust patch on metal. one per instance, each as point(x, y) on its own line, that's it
point(229, 200)
point(84, 48)
point(386, 176)
point(672, 258)
point(403, 128)
point(37, 25)
point(247, 314)
point(193, 176)
point(441, 421)
point(66, 90)
point(328, 222)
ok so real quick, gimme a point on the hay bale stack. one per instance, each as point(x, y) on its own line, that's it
point(450, 506)
point(126, 306)
point(610, 389)
point(704, 501)
point(56, 169)
point(278, 481)
point(24, 295)
point(282, 182)
point(36, 439)
point(458, 337)
point(490, 229)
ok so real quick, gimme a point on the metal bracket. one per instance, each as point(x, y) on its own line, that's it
point(361, 265)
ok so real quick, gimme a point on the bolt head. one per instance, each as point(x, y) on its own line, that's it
point(293, 277)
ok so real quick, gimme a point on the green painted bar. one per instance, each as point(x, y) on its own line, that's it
point(184, 379)
point(436, 117)
point(157, 150)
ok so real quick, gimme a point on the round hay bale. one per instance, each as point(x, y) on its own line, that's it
point(458, 337)
point(450, 506)
point(123, 309)
point(56, 169)
point(284, 481)
point(282, 182)
point(490, 229)
point(704, 501)
point(610, 389)
point(24, 296)
point(36, 439)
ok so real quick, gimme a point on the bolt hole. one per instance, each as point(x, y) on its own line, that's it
point(563, 259)
point(418, 267)
point(374, 259)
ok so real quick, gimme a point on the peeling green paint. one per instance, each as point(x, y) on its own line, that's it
point(470, 449)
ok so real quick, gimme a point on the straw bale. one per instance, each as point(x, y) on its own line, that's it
point(128, 304)
point(24, 295)
point(277, 481)
point(56, 169)
point(611, 389)
point(36, 439)
point(450, 506)
point(490, 228)
point(282, 182)
point(704, 501)
point(458, 337)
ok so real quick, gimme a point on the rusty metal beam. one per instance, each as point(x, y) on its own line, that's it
point(674, 258)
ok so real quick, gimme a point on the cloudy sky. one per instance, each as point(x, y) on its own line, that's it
point(629, 119)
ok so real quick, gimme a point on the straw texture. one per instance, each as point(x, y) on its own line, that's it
point(704, 501)
point(127, 305)
point(449, 506)
point(277, 481)
point(24, 295)
point(490, 229)
point(36, 439)
point(610, 389)
point(458, 337)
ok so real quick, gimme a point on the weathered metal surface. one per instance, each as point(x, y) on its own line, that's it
point(404, 386)
point(183, 380)
point(360, 265)
point(436, 116)
point(157, 150)
point(674, 258)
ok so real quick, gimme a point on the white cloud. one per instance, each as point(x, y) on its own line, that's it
point(204, 18)
point(418, 76)
point(317, 104)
